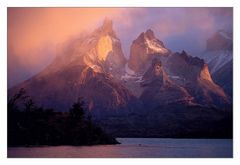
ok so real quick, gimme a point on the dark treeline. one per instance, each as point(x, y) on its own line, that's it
point(30, 125)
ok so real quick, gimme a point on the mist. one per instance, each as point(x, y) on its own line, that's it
point(35, 33)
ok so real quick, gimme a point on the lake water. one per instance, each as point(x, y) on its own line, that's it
point(135, 148)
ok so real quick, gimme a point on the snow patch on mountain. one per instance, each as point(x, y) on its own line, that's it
point(135, 78)
point(217, 59)
point(153, 45)
point(130, 75)
point(225, 35)
point(128, 70)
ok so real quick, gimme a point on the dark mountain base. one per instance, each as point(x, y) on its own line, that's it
point(173, 122)
point(35, 126)
point(53, 129)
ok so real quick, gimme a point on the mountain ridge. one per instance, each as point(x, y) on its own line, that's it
point(94, 67)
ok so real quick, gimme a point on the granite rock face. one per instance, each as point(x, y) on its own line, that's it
point(219, 57)
point(155, 94)
point(221, 40)
point(84, 68)
point(144, 49)
point(196, 78)
point(160, 90)
point(93, 67)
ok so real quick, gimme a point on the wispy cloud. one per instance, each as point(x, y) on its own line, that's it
point(33, 33)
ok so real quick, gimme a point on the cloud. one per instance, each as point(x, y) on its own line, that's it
point(33, 33)
point(28, 28)
point(179, 28)
point(171, 21)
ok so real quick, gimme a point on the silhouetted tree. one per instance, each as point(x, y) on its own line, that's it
point(20, 96)
point(77, 110)
point(29, 105)
point(32, 125)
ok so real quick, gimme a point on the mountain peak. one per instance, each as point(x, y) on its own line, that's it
point(149, 34)
point(143, 49)
point(196, 79)
point(107, 26)
point(185, 65)
point(184, 53)
point(107, 22)
point(220, 40)
point(191, 60)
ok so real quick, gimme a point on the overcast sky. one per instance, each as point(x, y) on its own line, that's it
point(33, 33)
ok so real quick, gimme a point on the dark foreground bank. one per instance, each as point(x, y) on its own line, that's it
point(30, 125)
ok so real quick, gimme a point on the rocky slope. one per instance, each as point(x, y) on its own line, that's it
point(221, 40)
point(83, 69)
point(156, 94)
point(144, 49)
point(194, 76)
point(219, 57)
point(160, 90)
point(100, 50)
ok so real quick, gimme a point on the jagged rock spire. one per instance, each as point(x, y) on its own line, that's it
point(149, 34)
point(107, 27)
point(143, 49)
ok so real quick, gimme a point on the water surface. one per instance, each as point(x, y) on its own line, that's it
point(134, 148)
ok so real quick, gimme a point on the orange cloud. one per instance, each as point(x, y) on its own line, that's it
point(31, 29)
point(35, 33)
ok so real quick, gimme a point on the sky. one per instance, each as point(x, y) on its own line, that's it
point(35, 33)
